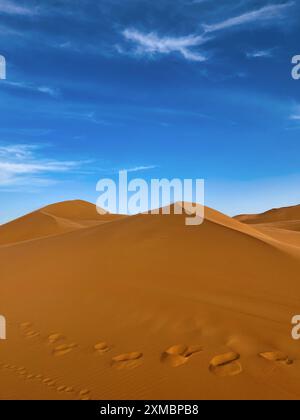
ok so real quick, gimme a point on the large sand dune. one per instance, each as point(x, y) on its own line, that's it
point(146, 307)
point(52, 220)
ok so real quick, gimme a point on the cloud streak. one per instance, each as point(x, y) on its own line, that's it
point(20, 165)
point(151, 44)
point(46, 90)
point(260, 54)
point(140, 169)
point(11, 8)
point(266, 13)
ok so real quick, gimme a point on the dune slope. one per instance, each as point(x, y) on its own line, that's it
point(146, 307)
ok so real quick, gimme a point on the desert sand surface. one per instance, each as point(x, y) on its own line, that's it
point(144, 307)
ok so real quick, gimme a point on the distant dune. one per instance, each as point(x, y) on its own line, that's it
point(286, 214)
point(52, 220)
point(281, 224)
point(144, 307)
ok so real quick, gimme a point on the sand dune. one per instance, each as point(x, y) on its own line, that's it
point(52, 220)
point(146, 307)
point(283, 225)
point(285, 216)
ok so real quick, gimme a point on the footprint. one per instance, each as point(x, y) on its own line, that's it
point(54, 338)
point(46, 381)
point(127, 361)
point(64, 349)
point(52, 384)
point(25, 325)
point(6, 366)
point(101, 348)
point(179, 355)
point(226, 365)
point(276, 356)
point(85, 394)
point(61, 388)
point(32, 334)
point(23, 372)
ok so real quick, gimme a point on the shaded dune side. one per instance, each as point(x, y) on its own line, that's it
point(32, 226)
point(280, 242)
point(287, 236)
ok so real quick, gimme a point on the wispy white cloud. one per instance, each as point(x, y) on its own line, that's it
point(18, 151)
point(295, 113)
point(47, 90)
point(293, 118)
point(21, 165)
point(197, 2)
point(139, 168)
point(151, 44)
point(259, 54)
point(132, 169)
point(11, 8)
point(69, 46)
point(266, 13)
point(87, 116)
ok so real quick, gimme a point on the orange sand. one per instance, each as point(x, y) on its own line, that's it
point(144, 307)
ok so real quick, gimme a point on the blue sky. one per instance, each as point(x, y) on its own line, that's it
point(168, 88)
